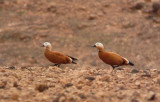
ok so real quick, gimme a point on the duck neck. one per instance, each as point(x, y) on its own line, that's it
point(48, 48)
point(101, 49)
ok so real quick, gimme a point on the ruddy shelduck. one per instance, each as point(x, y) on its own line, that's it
point(56, 57)
point(113, 59)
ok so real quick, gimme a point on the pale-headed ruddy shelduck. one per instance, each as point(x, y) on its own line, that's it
point(56, 57)
point(113, 59)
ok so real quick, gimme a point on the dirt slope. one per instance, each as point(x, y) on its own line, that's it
point(130, 28)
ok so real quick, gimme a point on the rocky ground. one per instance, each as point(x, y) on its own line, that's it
point(130, 28)
point(88, 84)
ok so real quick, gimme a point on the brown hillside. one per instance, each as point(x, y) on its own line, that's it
point(128, 27)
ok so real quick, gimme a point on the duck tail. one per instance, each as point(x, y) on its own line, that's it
point(126, 61)
point(130, 63)
point(74, 62)
point(74, 59)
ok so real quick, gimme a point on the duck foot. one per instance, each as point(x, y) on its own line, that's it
point(114, 66)
point(57, 65)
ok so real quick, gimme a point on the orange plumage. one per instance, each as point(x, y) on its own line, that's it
point(111, 58)
point(57, 57)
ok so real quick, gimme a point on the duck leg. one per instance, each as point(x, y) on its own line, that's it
point(114, 66)
point(58, 65)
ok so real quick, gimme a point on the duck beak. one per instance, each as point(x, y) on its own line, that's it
point(93, 46)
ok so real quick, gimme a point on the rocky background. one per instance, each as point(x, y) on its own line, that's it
point(130, 28)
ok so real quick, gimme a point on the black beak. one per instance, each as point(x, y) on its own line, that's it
point(93, 46)
point(42, 46)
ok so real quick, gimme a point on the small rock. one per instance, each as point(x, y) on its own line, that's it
point(6, 97)
point(92, 17)
point(105, 78)
point(138, 6)
point(41, 87)
point(59, 97)
point(106, 5)
point(156, 20)
point(82, 26)
point(134, 100)
point(136, 94)
point(25, 38)
point(79, 86)
point(2, 70)
point(68, 85)
point(146, 74)
point(90, 78)
point(119, 69)
point(2, 2)
point(134, 71)
point(152, 97)
point(23, 68)
point(158, 81)
point(43, 35)
point(11, 67)
point(82, 96)
point(122, 88)
point(82, 8)
point(137, 83)
point(52, 8)
point(3, 84)
point(15, 84)
point(147, 0)
point(156, 7)
point(128, 25)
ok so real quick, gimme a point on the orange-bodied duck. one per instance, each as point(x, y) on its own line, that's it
point(113, 59)
point(56, 57)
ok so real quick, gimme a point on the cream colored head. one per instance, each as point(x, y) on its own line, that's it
point(47, 45)
point(99, 46)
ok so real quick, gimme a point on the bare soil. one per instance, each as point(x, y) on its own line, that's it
point(83, 84)
point(130, 28)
